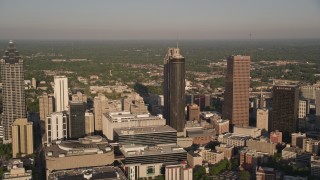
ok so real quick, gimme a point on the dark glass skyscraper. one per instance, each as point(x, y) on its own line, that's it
point(236, 94)
point(285, 105)
point(174, 89)
point(76, 119)
point(13, 93)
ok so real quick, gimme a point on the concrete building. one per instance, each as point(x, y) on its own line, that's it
point(89, 123)
point(194, 159)
point(76, 125)
point(22, 138)
point(13, 93)
point(303, 109)
point(285, 105)
point(221, 126)
point(34, 83)
point(315, 166)
point(87, 152)
point(200, 136)
point(103, 105)
point(262, 145)
point(61, 95)
point(236, 95)
point(290, 153)
point(265, 173)
point(174, 89)
point(263, 119)
point(248, 159)
point(232, 139)
point(16, 171)
point(46, 106)
point(150, 135)
point(249, 130)
point(178, 172)
point(56, 127)
point(226, 149)
point(212, 157)
point(147, 161)
point(124, 119)
point(297, 139)
point(79, 97)
point(134, 103)
point(311, 145)
point(193, 112)
point(276, 137)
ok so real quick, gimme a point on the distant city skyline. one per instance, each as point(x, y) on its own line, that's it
point(148, 20)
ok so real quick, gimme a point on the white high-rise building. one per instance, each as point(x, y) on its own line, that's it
point(56, 126)
point(61, 93)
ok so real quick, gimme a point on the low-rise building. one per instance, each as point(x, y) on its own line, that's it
point(265, 173)
point(311, 145)
point(146, 161)
point(262, 145)
point(290, 153)
point(16, 171)
point(232, 139)
point(226, 149)
point(276, 137)
point(315, 166)
point(212, 157)
point(297, 139)
point(249, 130)
point(201, 136)
point(178, 172)
point(194, 159)
point(124, 119)
point(221, 126)
point(87, 152)
point(150, 135)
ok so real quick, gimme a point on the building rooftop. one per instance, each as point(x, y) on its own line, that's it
point(235, 136)
point(200, 132)
point(144, 130)
point(83, 146)
point(292, 149)
point(125, 116)
point(102, 172)
point(140, 150)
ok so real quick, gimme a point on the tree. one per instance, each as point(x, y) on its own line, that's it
point(199, 172)
point(244, 175)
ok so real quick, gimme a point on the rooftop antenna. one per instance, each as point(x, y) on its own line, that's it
point(177, 41)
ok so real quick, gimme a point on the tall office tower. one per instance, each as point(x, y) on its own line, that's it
point(89, 123)
point(285, 104)
point(13, 94)
point(236, 95)
point(76, 120)
point(56, 126)
point(22, 137)
point(263, 119)
point(317, 96)
point(193, 112)
point(303, 108)
point(101, 105)
point(46, 105)
point(174, 89)
point(61, 93)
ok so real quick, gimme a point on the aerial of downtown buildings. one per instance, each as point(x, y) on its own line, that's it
point(124, 139)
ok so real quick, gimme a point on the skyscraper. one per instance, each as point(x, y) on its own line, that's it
point(56, 126)
point(61, 93)
point(285, 105)
point(46, 105)
point(13, 94)
point(22, 137)
point(76, 120)
point(174, 89)
point(236, 95)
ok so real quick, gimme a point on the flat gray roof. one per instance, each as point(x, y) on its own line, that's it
point(143, 130)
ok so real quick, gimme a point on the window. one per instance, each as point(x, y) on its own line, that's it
point(150, 170)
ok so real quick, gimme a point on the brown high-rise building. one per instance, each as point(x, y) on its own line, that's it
point(13, 94)
point(236, 95)
point(193, 112)
point(46, 106)
point(174, 89)
point(22, 137)
point(285, 105)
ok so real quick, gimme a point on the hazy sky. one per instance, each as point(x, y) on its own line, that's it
point(162, 19)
